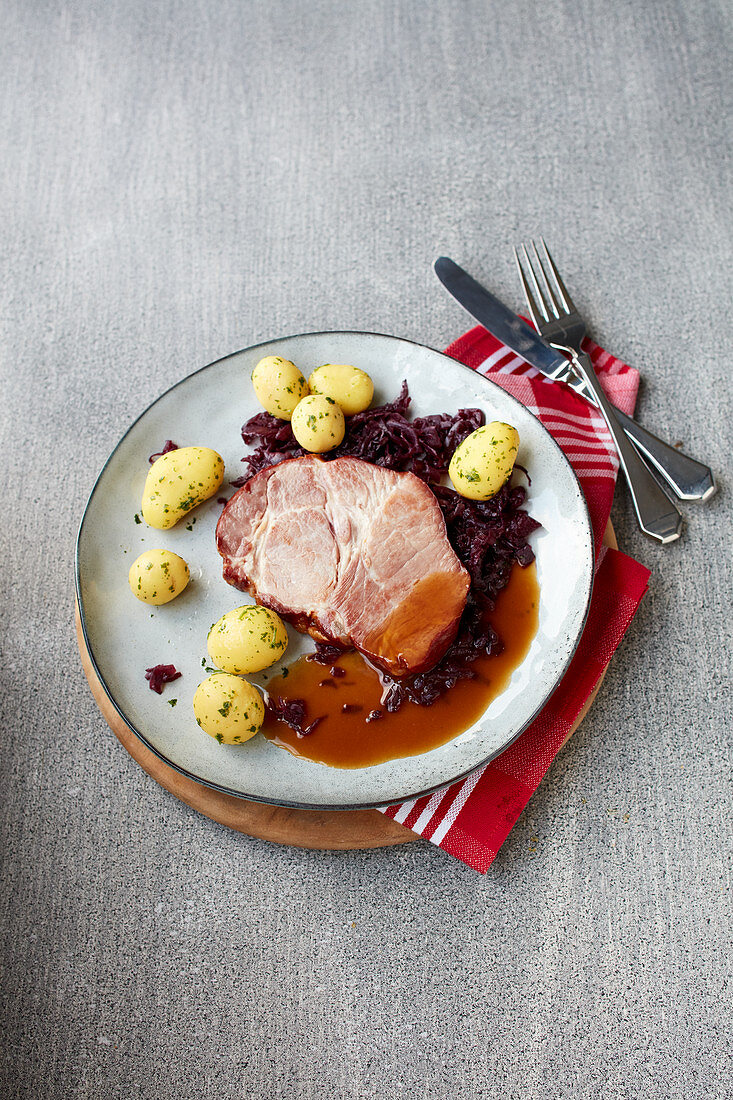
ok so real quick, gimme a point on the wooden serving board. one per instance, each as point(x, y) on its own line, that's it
point(324, 829)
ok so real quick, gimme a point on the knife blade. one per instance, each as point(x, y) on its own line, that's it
point(505, 325)
point(690, 479)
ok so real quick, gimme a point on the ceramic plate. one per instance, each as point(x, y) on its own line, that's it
point(125, 636)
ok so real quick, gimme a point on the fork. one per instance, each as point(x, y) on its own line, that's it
point(557, 320)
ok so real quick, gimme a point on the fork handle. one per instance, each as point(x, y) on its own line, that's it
point(657, 515)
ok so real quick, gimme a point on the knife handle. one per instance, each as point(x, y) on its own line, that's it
point(691, 480)
point(688, 478)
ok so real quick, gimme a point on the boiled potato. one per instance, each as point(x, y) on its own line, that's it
point(247, 639)
point(484, 461)
point(158, 576)
point(279, 385)
point(228, 708)
point(318, 424)
point(352, 389)
point(177, 482)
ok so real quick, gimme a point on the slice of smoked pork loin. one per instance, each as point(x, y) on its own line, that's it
point(350, 553)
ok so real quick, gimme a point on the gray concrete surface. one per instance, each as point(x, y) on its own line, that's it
point(178, 180)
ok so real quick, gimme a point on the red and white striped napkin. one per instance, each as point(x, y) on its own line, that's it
point(472, 818)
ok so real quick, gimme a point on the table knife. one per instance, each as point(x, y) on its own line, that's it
point(690, 480)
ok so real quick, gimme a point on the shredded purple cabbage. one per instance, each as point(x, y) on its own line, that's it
point(159, 675)
point(293, 713)
point(487, 536)
point(326, 653)
point(169, 445)
point(382, 435)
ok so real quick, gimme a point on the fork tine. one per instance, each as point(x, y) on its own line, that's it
point(567, 301)
point(536, 300)
point(555, 306)
point(531, 303)
point(542, 286)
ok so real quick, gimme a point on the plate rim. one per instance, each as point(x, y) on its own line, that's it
point(288, 803)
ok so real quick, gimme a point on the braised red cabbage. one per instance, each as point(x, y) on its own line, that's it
point(293, 713)
point(382, 435)
point(169, 445)
point(159, 675)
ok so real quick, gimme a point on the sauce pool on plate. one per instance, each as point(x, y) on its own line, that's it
point(344, 738)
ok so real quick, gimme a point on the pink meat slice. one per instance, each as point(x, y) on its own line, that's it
point(350, 553)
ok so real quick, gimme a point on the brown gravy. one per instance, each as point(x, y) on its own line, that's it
point(344, 739)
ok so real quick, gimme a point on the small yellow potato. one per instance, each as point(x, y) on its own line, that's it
point(484, 461)
point(247, 639)
point(228, 708)
point(158, 576)
point(279, 385)
point(352, 389)
point(177, 482)
point(318, 424)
